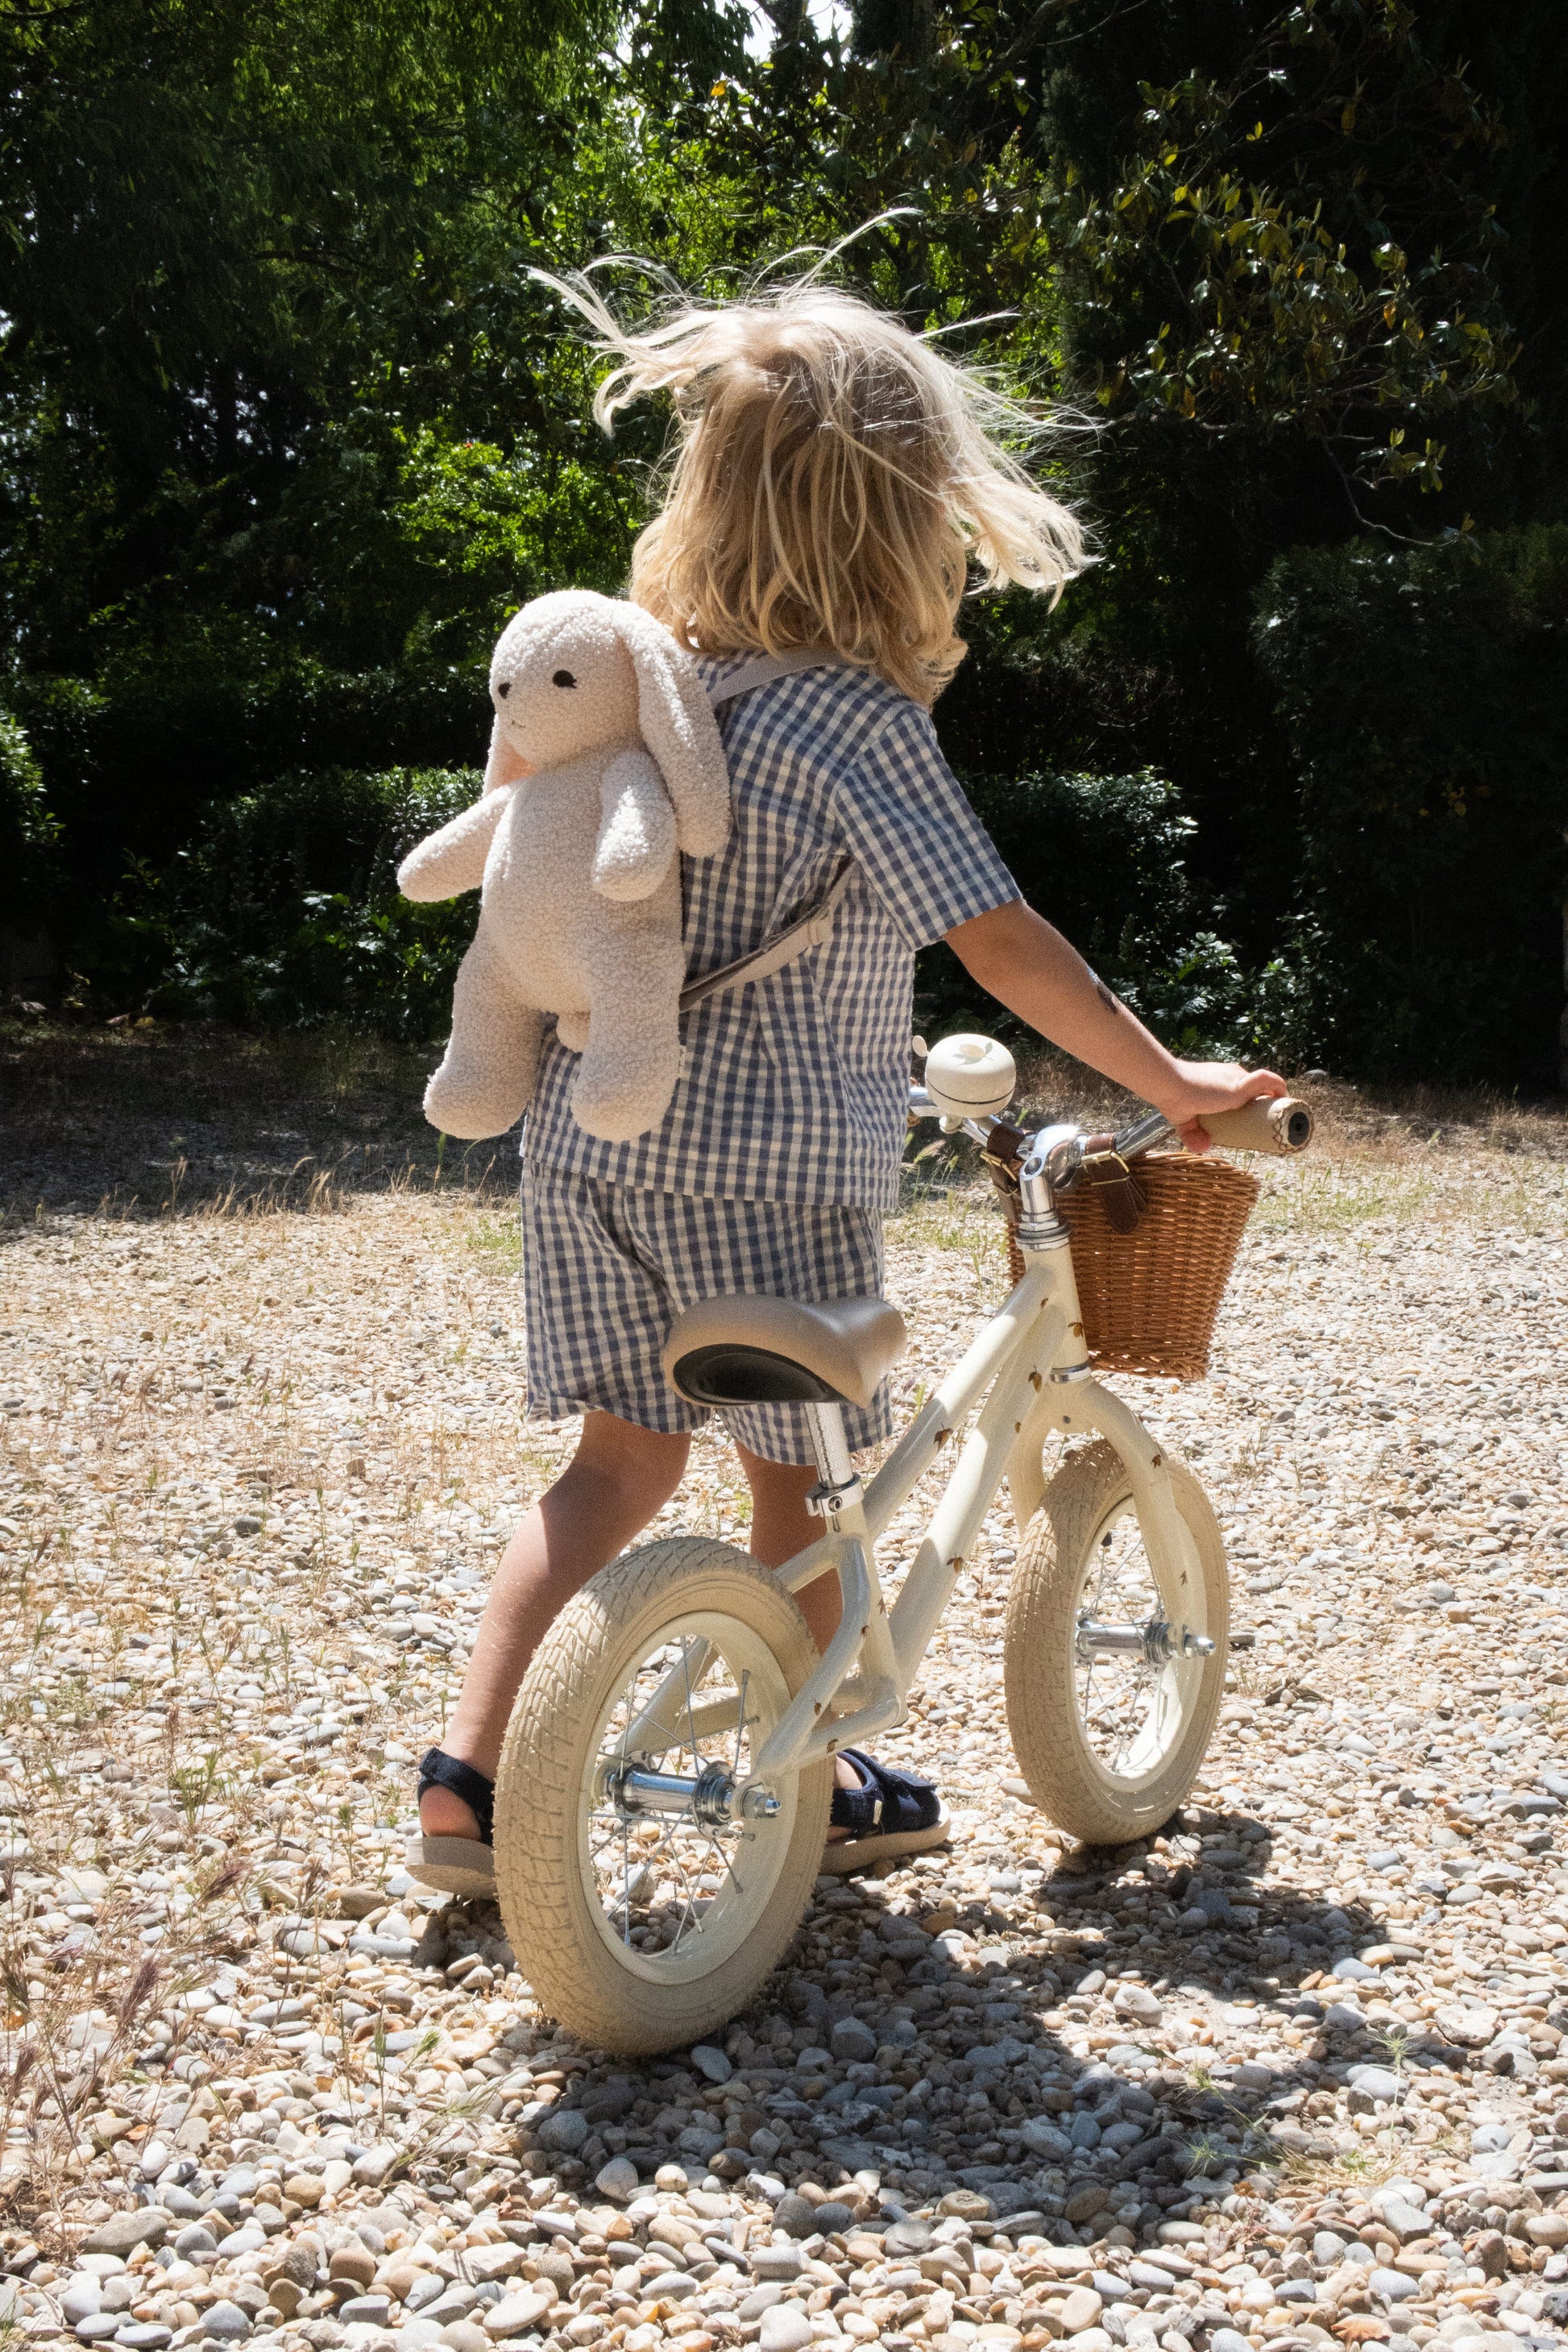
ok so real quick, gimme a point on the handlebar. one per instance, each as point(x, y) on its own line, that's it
point(1278, 1128)
point(1282, 1127)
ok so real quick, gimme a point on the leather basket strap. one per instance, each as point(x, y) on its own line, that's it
point(1122, 1196)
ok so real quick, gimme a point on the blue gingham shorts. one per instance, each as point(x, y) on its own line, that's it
point(607, 1268)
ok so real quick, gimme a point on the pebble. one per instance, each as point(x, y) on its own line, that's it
point(465, 2335)
point(783, 2328)
point(515, 2315)
point(226, 2322)
point(1376, 2083)
point(122, 2232)
point(853, 2040)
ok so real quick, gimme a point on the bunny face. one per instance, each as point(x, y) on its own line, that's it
point(574, 673)
point(563, 679)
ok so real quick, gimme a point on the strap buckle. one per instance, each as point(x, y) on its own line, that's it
point(1122, 1196)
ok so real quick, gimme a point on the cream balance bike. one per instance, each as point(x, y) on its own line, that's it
point(663, 1794)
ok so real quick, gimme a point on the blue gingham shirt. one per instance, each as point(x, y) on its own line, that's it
point(794, 1088)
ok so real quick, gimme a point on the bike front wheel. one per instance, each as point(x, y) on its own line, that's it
point(642, 1917)
point(1112, 1683)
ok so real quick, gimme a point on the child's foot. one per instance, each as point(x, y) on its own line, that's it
point(441, 1814)
point(452, 1850)
point(845, 1776)
point(879, 1813)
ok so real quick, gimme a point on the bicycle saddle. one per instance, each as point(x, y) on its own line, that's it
point(755, 1350)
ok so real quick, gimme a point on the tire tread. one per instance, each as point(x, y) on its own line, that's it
point(538, 1784)
point(1041, 1624)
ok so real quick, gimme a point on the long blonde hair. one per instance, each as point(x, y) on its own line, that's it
point(833, 479)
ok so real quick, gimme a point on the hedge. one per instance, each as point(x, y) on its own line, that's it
point(285, 911)
point(1425, 692)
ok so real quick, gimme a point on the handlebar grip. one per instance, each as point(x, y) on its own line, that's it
point(1280, 1128)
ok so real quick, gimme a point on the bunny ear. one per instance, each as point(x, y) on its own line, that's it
point(496, 757)
point(679, 727)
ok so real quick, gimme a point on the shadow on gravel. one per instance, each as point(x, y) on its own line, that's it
point(1129, 2136)
point(180, 1121)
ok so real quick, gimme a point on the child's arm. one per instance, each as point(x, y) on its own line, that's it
point(1018, 958)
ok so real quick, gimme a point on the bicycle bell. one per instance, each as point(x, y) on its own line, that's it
point(968, 1076)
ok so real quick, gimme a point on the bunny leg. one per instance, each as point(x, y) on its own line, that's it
point(486, 1079)
point(632, 1058)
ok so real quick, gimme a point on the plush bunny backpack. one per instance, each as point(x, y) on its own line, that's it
point(605, 760)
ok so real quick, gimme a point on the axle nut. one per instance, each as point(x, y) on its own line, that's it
point(760, 1804)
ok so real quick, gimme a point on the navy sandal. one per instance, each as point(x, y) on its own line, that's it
point(455, 1865)
point(891, 1813)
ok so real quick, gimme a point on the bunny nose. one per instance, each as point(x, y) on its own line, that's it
point(504, 688)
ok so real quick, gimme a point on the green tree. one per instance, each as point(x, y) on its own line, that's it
point(228, 226)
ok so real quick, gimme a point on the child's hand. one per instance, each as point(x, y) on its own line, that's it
point(1212, 1085)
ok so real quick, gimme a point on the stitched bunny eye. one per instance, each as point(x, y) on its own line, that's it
point(504, 688)
point(563, 677)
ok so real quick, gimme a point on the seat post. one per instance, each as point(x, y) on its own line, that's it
point(838, 1491)
point(834, 1467)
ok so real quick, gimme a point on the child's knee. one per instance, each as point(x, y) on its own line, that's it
point(641, 1462)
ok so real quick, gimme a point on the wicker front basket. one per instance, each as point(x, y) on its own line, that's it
point(1149, 1297)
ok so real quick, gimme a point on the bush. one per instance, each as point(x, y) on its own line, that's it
point(29, 836)
point(136, 760)
point(1426, 695)
point(1104, 859)
point(29, 861)
point(286, 909)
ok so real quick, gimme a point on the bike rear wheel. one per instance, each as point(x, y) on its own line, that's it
point(641, 1930)
point(1110, 1739)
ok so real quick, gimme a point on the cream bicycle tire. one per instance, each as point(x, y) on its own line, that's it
point(1070, 1781)
point(582, 1965)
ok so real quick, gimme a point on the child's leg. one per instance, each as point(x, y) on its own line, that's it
point(619, 1476)
point(782, 1525)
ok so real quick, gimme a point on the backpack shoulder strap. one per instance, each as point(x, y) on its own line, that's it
point(767, 666)
point(786, 947)
point(808, 930)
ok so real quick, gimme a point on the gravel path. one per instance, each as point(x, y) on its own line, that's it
point(1287, 2074)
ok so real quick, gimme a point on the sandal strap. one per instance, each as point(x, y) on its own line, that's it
point(889, 1801)
point(439, 1771)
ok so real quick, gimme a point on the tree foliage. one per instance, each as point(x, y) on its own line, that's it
point(1425, 696)
point(286, 427)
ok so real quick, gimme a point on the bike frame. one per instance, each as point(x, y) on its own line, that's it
point(1030, 1367)
point(1027, 1371)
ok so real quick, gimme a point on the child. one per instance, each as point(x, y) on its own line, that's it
point(834, 478)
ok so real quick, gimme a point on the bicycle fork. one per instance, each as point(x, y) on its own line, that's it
point(1085, 1407)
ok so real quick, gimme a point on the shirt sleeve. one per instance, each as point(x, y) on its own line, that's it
point(904, 816)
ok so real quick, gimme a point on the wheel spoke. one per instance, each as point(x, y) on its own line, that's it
point(1131, 1708)
point(670, 1885)
point(739, 1727)
point(692, 1728)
